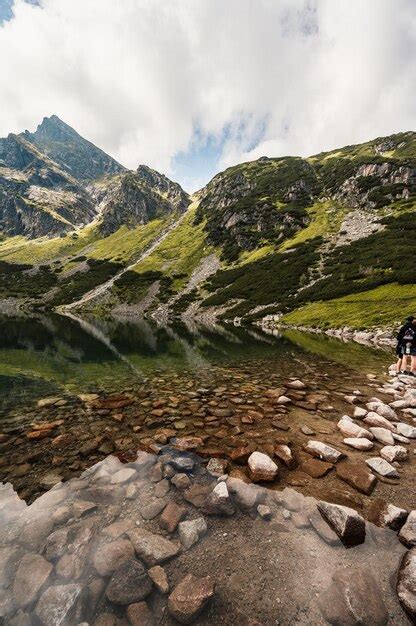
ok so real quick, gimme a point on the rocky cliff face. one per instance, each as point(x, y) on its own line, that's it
point(135, 198)
point(74, 154)
point(53, 181)
point(37, 197)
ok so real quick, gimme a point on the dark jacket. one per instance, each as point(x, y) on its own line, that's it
point(402, 333)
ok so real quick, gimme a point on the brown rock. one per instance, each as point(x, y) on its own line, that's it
point(188, 443)
point(284, 453)
point(171, 516)
point(357, 475)
point(189, 598)
point(316, 468)
point(151, 548)
point(159, 577)
point(139, 614)
point(116, 401)
point(129, 583)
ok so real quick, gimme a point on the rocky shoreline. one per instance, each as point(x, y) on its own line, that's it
point(382, 338)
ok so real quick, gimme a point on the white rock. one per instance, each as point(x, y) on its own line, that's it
point(374, 419)
point(350, 429)
point(383, 436)
point(261, 467)
point(221, 490)
point(393, 453)
point(400, 404)
point(323, 451)
point(359, 443)
point(400, 438)
point(191, 531)
point(296, 384)
point(123, 476)
point(406, 430)
point(359, 412)
point(351, 399)
point(382, 409)
point(383, 468)
point(283, 400)
point(407, 534)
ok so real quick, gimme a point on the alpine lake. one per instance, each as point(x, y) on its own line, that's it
point(127, 494)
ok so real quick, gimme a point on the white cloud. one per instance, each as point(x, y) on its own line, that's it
point(137, 77)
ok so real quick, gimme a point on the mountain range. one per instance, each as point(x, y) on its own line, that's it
point(323, 241)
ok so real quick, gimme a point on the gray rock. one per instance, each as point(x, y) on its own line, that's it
point(31, 575)
point(218, 502)
point(124, 475)
point(9, 560)
point(62, 605)
point(246, 495)
point(183, 463)
point(407, 534)
point(151, 548)
point(347, 523)
point(191, 531)
point(406, 584)
point(264, 511)
point(129, 583)
point(406, 430)
point(382, 467)
point(382, 409)
point(353, 598)
point(359, 443)
point(181, 481)
point(151, 510)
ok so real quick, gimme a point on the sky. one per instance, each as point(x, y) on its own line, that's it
point(191, 87)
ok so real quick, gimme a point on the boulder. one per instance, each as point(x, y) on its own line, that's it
point(346, 522)
point(359, 443)
point(123, 476)
point(383, 435)
point(350, 428)
point(129, 583)
point(407, 534)
point(191, 531)
point(323, 451)
point(393, 453)
point(61, 605)
point(406, 584)
point(261, 467)
point(151, 548)
point(354, 597)
point(382, 467)
point(31, 576)
point(190, 597)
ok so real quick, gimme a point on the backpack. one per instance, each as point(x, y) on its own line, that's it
point(409, 334)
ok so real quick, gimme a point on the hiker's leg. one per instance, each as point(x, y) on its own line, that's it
point(413, 365)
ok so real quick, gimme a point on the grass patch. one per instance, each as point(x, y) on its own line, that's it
point(377, 308)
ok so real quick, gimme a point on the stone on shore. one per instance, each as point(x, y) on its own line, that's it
point(406, 430)
point(109, 556)
point(406, 584)
point(382, 409)
point(129, 583)
point(123, 476)
point(190, 597)
point(323, 452)
point(61, 605)
point(383, 435)
point(285, 454)
point(181, 481)
point(139, 614)
point(359, 412)
point(354, 597)
point(191, 531)
point(382, 467)
point(351, 429)
point(31, 575)
point(171, 516)
point(261, 467)
point(407, 534)
point(346, 522)
point(393, 453)
point(316, 468)
point(359, 443)
point(357, 475)
point(159, 577)
point(151, 548)
point(218, 502)
point(383, 513)
point(376, 420)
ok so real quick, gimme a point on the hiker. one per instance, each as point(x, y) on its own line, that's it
point(406, 346)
